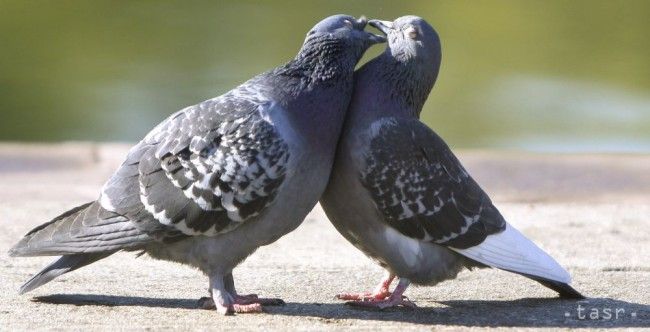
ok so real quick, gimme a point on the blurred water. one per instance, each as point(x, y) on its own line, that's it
point(534, 75)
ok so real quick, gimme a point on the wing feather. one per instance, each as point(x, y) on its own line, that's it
point(204, 171)
point(422, 190)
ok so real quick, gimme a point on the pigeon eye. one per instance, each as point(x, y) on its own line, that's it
point(411, 32)
point(348, 23)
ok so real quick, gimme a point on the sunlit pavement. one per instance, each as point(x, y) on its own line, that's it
point(591, 212)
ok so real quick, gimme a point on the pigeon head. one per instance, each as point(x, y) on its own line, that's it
point(414, 49)
point(411, 39)
point(347, 29)
point(333, 47)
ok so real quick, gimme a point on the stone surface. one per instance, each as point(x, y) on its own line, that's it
point(591, 212)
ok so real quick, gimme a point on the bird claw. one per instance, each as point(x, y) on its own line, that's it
point(252, 308)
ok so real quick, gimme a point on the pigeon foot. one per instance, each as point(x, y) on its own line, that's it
point(392, 300)
point(381, 292)
point(207, 303)
point(241, 304)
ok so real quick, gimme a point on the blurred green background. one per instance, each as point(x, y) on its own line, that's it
point(532, 75)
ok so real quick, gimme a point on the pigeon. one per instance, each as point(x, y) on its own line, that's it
point(398, 193)
point(215, 181)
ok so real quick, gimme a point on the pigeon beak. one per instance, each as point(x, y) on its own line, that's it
point(372, 38)
point(383, 26)
point(375, 39)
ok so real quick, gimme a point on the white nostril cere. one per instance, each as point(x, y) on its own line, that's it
point(362, 20)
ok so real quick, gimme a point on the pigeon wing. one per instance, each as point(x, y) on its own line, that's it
point(423, 191)
point(203, 171)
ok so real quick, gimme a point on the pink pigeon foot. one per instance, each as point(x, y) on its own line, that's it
point(395, 299)
point(241, 304)
point(225, 299)
point(381, 292)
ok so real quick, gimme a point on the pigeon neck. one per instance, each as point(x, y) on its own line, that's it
point(405, 82)
point(321, 61)
point(316, 87)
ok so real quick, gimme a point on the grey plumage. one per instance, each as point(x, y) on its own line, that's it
point(88, 228)
point(406, 154)
point(399, 194)
point(216, 180)
point(64, 264)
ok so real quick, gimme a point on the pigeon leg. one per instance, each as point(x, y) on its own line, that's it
point(381, 292)
point(224, 301)
point(394, 300)
point(229, 282)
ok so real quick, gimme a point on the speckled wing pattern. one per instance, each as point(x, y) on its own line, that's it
point(203, 171)
point(422, 190)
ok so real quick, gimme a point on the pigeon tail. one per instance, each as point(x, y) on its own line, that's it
point(88, 228)
point(82, 235)
point(62, 265)
point(563, 289)
point(22, 248)
point(512, 251)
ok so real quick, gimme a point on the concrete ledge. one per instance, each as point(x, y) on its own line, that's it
point(591, 212)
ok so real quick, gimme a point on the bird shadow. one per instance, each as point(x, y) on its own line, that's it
point(527, 312)
point(117, 301)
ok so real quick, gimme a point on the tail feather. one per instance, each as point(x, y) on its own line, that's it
point(564, 290)
point(81, 236)
point(512, 251)
point(88, 228)
point(61, 266)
